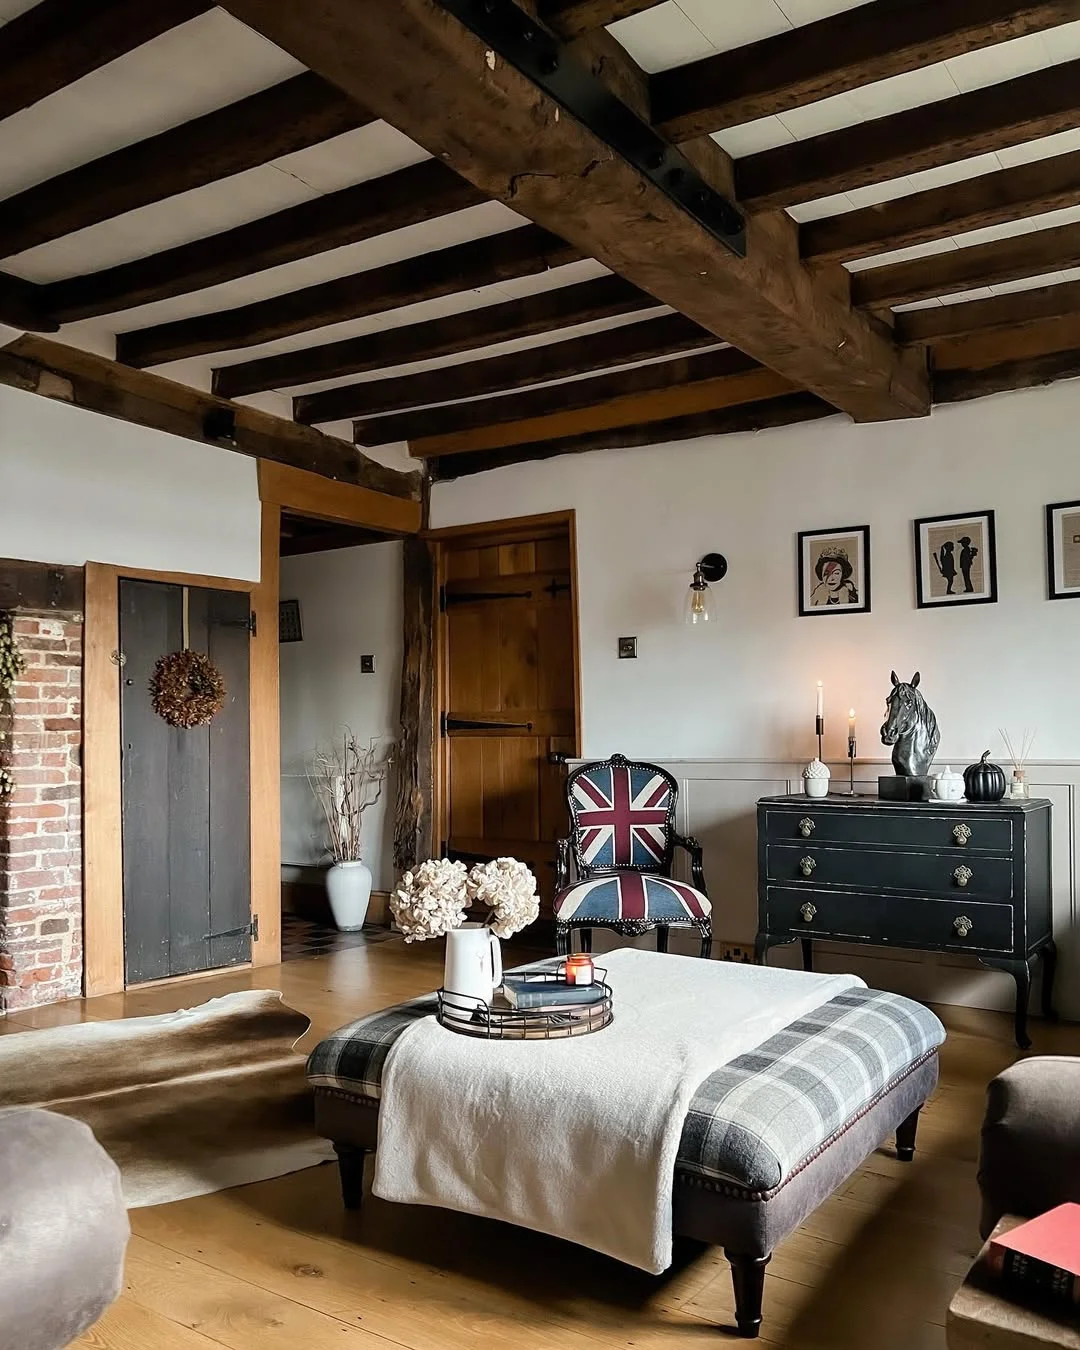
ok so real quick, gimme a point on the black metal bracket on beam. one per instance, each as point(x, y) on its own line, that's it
point(541, 58)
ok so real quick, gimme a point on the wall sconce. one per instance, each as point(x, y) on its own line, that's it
point(713, 567)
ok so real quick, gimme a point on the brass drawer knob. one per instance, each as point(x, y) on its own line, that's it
point(806, 827)
point(963, 925)
point(961, 833)
point(962, 875)
point(807, 865)
point(808, 911)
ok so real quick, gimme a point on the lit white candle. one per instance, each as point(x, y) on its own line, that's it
point(851, 724)
point(820, 699)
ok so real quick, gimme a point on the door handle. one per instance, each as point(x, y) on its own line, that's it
point(557, 756)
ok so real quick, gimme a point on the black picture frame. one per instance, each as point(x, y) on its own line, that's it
point(805, 540)
point(1055, 587)
point(988, 594)
point(290, 626)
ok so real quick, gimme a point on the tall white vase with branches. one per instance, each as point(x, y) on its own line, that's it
point(348, 780)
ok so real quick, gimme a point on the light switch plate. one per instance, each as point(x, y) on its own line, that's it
point(627, 648)
point(367, 665)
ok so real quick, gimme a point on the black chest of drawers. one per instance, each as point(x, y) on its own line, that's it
point(964, 877)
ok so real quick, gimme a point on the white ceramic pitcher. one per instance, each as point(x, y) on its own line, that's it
point(473, 964)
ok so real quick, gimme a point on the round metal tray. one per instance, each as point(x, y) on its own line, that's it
point(501, 1022)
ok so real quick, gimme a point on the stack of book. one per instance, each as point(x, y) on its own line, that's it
point(552, 996)
point(1039, 1261)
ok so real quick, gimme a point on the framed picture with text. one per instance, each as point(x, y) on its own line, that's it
point(1063, 550)
point(956, 560)
point(834, 571)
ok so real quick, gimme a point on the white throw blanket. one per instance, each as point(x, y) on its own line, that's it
point(578, 1137)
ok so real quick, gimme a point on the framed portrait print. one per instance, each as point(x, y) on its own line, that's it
point(834, 571)
point(955, 560)
point(1063, 550)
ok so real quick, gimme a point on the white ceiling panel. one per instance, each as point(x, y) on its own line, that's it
point(662, 37)
point(752, 137)
point(353, 157)
point(808, 11)
point(734, 23)
point(1005, 61)
point(202, 65)
point(11, 9)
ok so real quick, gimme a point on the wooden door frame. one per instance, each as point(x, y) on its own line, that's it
point(280, 487)
point(486, 533)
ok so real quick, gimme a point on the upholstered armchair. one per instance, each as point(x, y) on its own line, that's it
point(621, 850)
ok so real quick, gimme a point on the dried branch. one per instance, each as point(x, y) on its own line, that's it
point(346, 781)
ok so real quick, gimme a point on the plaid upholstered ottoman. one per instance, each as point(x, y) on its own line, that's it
point(767, 1138)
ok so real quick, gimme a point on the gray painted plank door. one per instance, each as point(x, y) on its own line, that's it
point(186, 810)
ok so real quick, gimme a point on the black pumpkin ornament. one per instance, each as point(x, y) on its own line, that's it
point(984, 782)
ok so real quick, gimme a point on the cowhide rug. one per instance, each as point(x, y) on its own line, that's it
point(187, 1102)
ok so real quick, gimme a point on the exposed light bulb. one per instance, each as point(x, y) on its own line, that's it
point(698, 596)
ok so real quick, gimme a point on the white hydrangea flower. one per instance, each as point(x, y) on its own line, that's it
point(508, 889)
point(430, 901)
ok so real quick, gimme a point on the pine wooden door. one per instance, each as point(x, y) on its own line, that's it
point(509, 717)
point(185, 793)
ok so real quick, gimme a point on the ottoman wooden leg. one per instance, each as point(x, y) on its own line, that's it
point(351, 1168)
point(748, 1280)
point(905, 1136)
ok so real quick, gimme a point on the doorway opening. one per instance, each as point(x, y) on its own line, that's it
point(340, 651)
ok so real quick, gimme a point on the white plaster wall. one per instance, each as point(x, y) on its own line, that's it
point(744, 686)
point(350, 604)
point(76, 487)
point(730, 707)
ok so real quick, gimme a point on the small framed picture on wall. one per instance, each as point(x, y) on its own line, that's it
point(956, 560)
point(834, 570)
point(1063, 550)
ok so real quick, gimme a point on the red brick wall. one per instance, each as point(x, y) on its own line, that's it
point(41, 823)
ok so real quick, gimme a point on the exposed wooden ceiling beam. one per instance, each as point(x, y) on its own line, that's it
point(956, 386)
point(965, 269)
point(1007, 194)
point(550, 398)
point(1009, 312)
point(571, 18)
point(56, 42)
point(773, 412)
point(541, 313)
point(286, 117)
point(664, 336)
point(426, 74)
point(926, 137)
point(481, 262)
point(844, 51)
point(22, 306)
point(391, 202)
point(656, 405)
point(979, 351)
point(102, 386)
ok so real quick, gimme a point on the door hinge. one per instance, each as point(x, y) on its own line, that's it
point(248, 929)
point(448, 724)
point(249, 623)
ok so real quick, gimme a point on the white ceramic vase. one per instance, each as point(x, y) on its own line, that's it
point(348, 888)
point(473, 968)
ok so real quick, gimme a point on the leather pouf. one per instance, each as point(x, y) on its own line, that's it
point(63, 1229)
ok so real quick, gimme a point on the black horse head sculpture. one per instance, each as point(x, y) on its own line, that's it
point(910, 728)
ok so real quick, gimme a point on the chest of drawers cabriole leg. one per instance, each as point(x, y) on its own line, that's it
point(969, 877)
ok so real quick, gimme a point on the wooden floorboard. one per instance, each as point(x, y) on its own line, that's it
point(280, 1264)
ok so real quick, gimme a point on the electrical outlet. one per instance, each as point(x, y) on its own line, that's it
point(367, 665)
point(730, 951)
point(627, 648)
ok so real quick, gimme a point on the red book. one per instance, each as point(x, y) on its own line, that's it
point(1042, 1256)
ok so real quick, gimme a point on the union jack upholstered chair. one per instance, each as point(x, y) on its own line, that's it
point(622, 843)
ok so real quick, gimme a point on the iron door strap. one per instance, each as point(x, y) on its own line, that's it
point(470, 597)
point(470, 724)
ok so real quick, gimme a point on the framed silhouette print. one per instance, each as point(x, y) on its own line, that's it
point(1063, 550)
point(834, 570)
point(955, 560)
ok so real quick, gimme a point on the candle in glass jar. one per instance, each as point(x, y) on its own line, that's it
point(579, 969)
